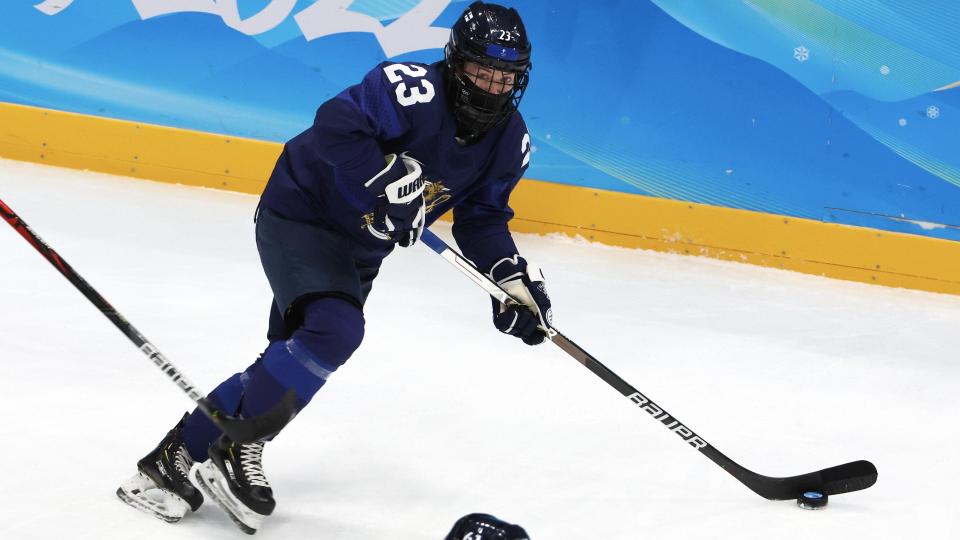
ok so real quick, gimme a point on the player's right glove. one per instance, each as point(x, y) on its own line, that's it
point(532, 320)
point(400, 214)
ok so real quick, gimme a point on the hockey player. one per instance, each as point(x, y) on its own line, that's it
point(382, 160)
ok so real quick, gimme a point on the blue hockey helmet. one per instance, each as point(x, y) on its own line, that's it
point(485, 527)
point(493, 38)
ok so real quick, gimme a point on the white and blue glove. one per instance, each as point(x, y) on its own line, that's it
point(400, 214)
point(532, 320)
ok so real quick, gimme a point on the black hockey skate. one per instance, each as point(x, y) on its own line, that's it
point(161, 486)
point(233, 477)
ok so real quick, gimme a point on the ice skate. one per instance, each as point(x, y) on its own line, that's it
point(161, 486)
point(233, 477)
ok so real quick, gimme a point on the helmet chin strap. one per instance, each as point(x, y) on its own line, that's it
point(471, 130)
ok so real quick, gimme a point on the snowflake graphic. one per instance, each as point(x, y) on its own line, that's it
point(933, 112)
point(801, 53)
point(902, 122)
point(884, 70)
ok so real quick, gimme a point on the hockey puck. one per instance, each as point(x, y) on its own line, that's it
point(812, 500)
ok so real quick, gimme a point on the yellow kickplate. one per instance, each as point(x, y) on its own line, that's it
point(237, 164)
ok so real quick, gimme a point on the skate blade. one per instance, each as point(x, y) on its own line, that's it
point(143, 494)
point(208, 478)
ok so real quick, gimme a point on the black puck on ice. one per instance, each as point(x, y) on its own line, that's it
point(812, 500)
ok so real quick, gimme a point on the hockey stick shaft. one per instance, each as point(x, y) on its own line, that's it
point(240, 430)
point(834, 480)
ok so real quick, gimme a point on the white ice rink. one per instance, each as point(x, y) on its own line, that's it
point(438, 415)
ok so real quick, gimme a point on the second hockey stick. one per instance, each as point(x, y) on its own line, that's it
point(844, 478)
point(240, 430)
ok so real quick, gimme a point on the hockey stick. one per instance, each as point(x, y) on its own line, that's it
point(844, 478)
point(240, 430)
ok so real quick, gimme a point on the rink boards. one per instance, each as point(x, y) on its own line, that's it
point(238, 164)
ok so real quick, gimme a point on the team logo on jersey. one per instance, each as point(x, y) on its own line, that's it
point(367, 220)
point(434, 194)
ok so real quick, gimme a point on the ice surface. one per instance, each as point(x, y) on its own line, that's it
point(437, 414)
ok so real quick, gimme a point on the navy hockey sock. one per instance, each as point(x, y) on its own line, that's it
point(199, 432)
point(332, 329)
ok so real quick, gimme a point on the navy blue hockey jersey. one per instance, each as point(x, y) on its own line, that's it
point(401, 107)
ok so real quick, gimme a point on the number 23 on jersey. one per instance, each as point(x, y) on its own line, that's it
point(422, 92)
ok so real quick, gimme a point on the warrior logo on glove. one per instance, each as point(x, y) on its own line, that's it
point(400, 213)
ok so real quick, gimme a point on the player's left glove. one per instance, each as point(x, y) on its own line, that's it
point(532, 320)
point(400, 213)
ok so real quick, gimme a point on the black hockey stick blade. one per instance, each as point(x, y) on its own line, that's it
point(845, 478)
point(246, 430)
point(848, 477)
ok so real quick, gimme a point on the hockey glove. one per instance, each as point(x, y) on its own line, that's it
point(532, 320)
point(399, 215)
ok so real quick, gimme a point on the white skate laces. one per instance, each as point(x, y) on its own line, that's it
point(182, 461)
point(250, 460)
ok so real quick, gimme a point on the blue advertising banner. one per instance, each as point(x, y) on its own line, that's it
point(839, 111)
